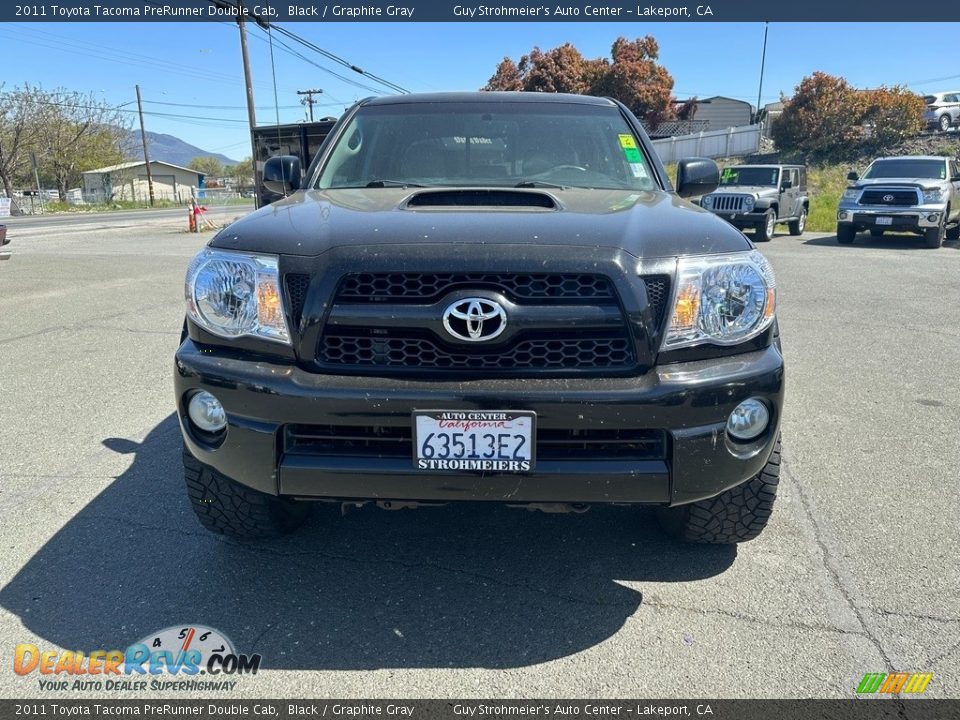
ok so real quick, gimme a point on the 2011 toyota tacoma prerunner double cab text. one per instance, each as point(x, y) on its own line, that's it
point(483, 297)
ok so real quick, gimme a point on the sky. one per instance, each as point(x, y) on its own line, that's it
point(194, 69)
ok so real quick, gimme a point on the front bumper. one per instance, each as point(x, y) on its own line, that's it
point(744, 220)
point(689, 402)
point(919, 217)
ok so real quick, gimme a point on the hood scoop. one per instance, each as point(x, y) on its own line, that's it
point(504, 198)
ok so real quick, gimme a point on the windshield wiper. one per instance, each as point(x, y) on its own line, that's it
point(392, 183)
point(539, 183)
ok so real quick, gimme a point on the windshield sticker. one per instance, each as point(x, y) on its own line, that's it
point(728, 175)
point(627, 141)
point(632, 155)
point(638, 170)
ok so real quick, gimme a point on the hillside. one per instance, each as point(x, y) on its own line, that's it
point(168, 148)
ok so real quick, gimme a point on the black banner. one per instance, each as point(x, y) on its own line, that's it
point(913, 709)
point(469, 11)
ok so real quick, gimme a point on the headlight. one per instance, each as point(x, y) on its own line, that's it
point(707, 201)
point(748, 203)
point(850, 194)
point(933, 195)
point(721, 299)
point(235, 294)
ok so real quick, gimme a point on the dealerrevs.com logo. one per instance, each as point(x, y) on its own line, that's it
point(173, 659)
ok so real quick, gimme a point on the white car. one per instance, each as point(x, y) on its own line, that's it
point(943, 110)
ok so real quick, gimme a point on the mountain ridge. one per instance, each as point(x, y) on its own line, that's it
point(170, 149)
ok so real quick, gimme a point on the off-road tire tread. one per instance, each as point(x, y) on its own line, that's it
point(933, 237)
point(735, 516)
point(226, 507)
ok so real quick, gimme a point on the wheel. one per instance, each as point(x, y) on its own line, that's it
point(766, 228)
point(846, 234)
point(953, 233)
point(737, 515)
point(226, 507)
point(876, 232)
point(944, 123)
point(933, 237)
point(797, 226)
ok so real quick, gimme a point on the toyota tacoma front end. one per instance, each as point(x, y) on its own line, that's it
point(483, 297)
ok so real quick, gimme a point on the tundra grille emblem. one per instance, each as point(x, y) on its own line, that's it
point(475, 319)
point(888, 198)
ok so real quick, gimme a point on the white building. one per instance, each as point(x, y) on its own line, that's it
point(128, 181)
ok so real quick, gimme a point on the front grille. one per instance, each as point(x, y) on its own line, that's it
point(428, 287)
point(727, 203)
point(901, 198)
point(396, 441)
point(605, 352)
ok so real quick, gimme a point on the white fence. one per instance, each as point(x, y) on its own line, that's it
point(731, 142)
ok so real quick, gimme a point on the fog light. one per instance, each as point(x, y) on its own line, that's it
point(748, 420)
point(207, 413)
point(933, 218)
point(842, 215)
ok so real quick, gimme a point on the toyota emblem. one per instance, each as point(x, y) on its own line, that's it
point(888, 198)
point(475, 319)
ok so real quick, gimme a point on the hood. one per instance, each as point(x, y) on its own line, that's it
point(755, 190)
point(901, 182)
point(644, 224)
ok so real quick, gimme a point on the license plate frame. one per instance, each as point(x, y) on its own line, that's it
point(486, 427)
point(882, 220)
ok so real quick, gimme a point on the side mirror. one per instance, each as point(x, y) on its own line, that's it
point(282, 174)
point(852, 176)
point(786, 185)
point(697, 176)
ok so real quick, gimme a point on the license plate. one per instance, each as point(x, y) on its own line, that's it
point(884, 221)
point(474, 440)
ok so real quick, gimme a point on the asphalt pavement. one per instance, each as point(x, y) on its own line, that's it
point(857, 572)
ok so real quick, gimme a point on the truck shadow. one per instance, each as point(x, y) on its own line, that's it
point(455, 586)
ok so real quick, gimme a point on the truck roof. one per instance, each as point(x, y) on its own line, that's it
point(501, 97)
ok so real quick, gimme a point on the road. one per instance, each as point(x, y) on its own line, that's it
point(857, 573)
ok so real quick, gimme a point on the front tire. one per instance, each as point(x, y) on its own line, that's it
point(799, 225)
point(226, 507)
point(933, 237)
point(734, 516)
point(846, 234)
point(766, 229)
point(944, 123)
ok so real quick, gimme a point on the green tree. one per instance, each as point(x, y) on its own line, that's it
point(19, 131)
point(78, 132)
point(208, 165)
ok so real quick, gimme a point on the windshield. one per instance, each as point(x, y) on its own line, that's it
point(907, 168)
point(503, 144)
point(750, 176)
point(930, 99)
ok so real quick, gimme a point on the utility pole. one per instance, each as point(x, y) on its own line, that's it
point(146, 154)
point(248, 79)
point(763, 62)
point(309, 101)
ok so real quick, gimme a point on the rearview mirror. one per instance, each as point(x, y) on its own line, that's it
point(697, 176)
point(852, 176)
point(282, 174)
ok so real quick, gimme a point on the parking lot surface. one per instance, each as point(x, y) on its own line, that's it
point(857, 573)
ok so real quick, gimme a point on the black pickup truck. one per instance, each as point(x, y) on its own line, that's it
point(482, 297)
